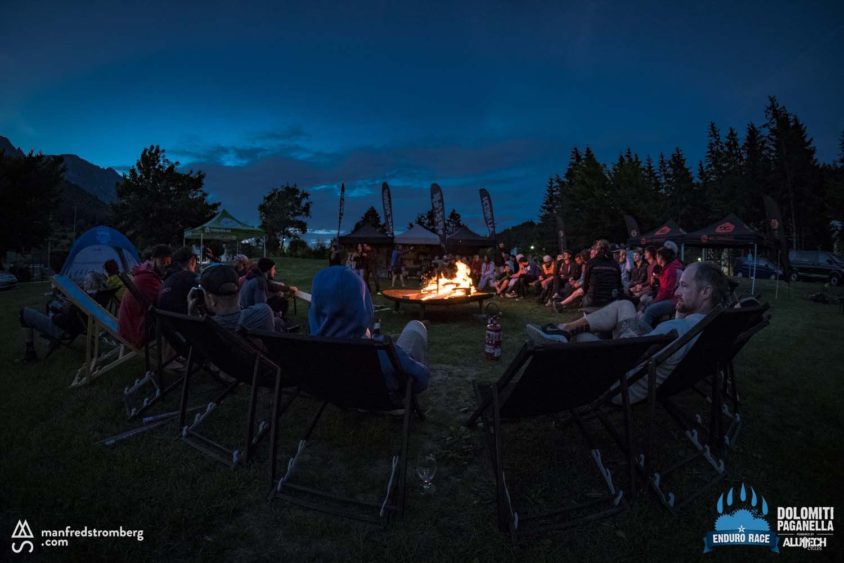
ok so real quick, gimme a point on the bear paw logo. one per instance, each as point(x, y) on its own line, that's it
point(750, 518)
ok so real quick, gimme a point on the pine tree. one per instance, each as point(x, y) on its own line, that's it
point(796, 176)
point(684, 197)
point(548, 212)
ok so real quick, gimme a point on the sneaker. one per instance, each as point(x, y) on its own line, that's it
point(559, 307)
point(539, 335)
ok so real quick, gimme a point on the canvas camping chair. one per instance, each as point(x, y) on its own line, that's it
point(169, 338)
point(574, 378)
point(346, 373)
point(160, 340)
point(713, 341)
point(233, 355)
point(100, 323)
point(758, 317)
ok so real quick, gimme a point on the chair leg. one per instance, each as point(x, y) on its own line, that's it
point(274, 426)
point(183, 403)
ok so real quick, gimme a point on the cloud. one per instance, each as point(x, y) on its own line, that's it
point(514, 171)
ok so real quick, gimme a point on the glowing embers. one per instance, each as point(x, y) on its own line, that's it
point(442, 287)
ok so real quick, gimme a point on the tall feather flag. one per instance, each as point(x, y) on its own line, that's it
point(777, 234)
point(438, 206)
point(632, 228)
point(340, 214)
point(489, 218)
point(387, 202)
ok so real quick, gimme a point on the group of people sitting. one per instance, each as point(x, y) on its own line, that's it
point(240, 296)
point(245, 294)
point(628, 297)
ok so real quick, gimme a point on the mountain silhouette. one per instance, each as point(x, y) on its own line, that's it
point(97, 181)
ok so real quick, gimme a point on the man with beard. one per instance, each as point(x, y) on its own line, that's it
point(147, 278)
point(702, 287)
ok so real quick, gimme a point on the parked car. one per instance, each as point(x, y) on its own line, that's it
point(7, 280)
point(765, 269)
point(816, 264)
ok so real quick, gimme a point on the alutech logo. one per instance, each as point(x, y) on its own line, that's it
point(24, 533)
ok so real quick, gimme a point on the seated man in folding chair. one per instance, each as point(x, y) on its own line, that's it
point(62, 321)
point(341, 307)
point(219, 295)
point(131, 316)
point(702, 287)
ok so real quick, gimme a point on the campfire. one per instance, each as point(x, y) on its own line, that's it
point(447, 288)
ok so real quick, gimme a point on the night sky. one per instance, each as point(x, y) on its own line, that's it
point(488, 94)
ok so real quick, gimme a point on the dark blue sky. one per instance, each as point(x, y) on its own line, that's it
point(487, 94)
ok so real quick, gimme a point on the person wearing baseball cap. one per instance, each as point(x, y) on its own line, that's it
point(221, 294)
point(179, 279)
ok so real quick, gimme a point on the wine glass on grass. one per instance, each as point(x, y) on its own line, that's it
point(426, 468)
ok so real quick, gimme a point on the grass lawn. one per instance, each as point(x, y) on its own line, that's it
point(53, 474)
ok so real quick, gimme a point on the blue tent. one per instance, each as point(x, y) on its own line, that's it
point(94, 247)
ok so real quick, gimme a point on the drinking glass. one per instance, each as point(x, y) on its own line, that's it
point(426, 468)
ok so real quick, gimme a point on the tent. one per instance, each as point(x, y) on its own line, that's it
point(729, 232)
point(464, 238)
point(223, 226)
point(667, 231)
point(417, 235)
point(93, 248)
point(366, 234)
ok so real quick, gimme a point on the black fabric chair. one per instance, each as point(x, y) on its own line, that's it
point(714, 342)
point(346, 373)
point(233, 355)
point(758, 317)
point(579, 379)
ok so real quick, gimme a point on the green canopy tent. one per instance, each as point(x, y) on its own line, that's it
point(223, 226)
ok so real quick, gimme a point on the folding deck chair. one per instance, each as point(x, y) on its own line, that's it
point(715, 338)
point(100, 323)
point(757, 319)
point(574, 378)
point(346, 373)
point(158, 376)
point(154, 367)
point(240, 360)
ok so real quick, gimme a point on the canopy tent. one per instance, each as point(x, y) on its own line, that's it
point(729, 232)
point(417, 235)
point(669, 230)
point(366, 234)
point(466, 238)
point(223, 226)
point(93, 248)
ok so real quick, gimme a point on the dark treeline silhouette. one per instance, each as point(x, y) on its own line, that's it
point(776, 158)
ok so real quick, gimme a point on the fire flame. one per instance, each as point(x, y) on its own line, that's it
point(445, 288)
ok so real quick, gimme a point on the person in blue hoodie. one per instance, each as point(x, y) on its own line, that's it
point(341, 307)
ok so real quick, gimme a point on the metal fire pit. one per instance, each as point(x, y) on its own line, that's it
point(414, 297)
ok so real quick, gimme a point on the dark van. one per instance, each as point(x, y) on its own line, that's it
point(816, 264)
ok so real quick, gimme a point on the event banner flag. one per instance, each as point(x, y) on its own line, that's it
point(438, 206)
point(632, 227)
point(777, 230)
point(387, 201)
point(342, 203)
point(489, 218)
